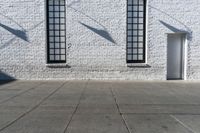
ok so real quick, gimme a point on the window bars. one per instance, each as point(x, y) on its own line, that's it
point(56, 31)
point(136, 14)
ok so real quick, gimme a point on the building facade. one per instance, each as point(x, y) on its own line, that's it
point(100, 39)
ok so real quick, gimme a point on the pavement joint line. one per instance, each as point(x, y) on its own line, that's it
point(184, 125)
point(119, 111)
point(76, 108)
point(32, 88)
point(33, 108)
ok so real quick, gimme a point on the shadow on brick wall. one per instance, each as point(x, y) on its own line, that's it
point(100, 32)
point(19, 33)
point(176, 30)
point(103, 32)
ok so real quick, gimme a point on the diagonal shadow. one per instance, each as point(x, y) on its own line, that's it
point(12, 39)
point(5, 78)
point(172, 28)
point(188, 30)
point(18, 33)
point(102, 33)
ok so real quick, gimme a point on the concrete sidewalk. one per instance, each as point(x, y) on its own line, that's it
point(99, 107)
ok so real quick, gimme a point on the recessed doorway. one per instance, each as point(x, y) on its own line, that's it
point(176, 56)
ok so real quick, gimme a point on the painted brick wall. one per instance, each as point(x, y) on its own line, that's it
point(90, 56)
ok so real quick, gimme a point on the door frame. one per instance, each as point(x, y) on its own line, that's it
point(184, 43)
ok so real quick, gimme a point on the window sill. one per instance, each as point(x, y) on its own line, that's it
point(138, 65)
point(57, 65)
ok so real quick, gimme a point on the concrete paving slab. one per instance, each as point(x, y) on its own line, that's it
point(151, 93)
point(5, 94)
point(9, 83)
point(104, 123)
point(45, 121)
point(66, 109)
point(98, 88)
point(97, 99)
point(97, 109)
point(132, 93)
point(8, 114)
point(68, 95)
point(19, 85)
point(14, 91)
point(29, 101)
point(33, 96)
point(97, 93)
point(92, 107)
point(63, 100)
point(186, 92)
point(73, 87)
point(192, 122)
point(154, 124)
point(159, 109)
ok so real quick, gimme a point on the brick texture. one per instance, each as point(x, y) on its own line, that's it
point(89, 55)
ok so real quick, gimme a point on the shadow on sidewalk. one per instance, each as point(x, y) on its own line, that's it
point(5, 78)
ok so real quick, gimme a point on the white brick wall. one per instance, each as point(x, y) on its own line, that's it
point(91, 56)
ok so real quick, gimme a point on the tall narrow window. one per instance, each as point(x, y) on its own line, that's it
point(56, 31)
point(136, 14)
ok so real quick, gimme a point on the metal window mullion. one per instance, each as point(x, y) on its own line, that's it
point(144, 29)
point(127, 31)
point(48, 47)
point(65, 31)
point(132, 32)
point(137, 29)
point(54, 29)
point(59, 33)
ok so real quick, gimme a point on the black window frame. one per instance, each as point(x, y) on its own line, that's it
point(144, 34)
point(48, 32)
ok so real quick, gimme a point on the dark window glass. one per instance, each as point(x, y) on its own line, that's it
point(136, 12)
point(56, 31)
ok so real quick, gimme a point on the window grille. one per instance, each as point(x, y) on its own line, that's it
point(56, 31)
point(136, 14)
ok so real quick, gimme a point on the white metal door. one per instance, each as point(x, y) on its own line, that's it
point(175, 56)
